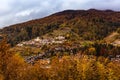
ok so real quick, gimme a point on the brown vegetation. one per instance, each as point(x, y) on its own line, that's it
point(79, 67)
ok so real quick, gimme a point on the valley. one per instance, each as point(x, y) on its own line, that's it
point(68, 45)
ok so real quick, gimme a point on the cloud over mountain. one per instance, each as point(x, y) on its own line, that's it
point(14, 11)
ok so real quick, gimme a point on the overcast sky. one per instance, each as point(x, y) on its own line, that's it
point(17, 11)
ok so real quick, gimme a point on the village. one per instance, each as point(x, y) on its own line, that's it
point(116, 58)
point(38, 42)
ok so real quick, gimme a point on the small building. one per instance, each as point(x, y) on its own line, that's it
point(37, 39)
point(60, 37)
point(20, 45)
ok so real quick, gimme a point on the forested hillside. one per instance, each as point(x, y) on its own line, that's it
point(68, 45)
point(89, 25)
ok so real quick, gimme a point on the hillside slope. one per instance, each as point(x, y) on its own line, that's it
point(89, 25)
point(114, 38)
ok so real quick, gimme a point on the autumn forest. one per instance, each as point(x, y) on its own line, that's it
point(68, 45)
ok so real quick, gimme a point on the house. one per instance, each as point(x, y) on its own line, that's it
point(37, 39)
point(60, 38)
point(20, 45)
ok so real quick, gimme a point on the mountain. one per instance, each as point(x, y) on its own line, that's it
point(89, 25)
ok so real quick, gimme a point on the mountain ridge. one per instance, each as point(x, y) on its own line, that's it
point(89, 24)
point(66, 11)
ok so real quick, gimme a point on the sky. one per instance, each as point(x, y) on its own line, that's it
point(17, 11)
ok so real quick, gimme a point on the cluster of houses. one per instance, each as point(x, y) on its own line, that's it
point(51, 52)
point(39, 41)
point(116, 58)
point(32, 59)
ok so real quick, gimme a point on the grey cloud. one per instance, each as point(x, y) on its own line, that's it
point(16, 11)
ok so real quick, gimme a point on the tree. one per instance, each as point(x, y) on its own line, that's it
point(118, 30)
point(5, 56)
